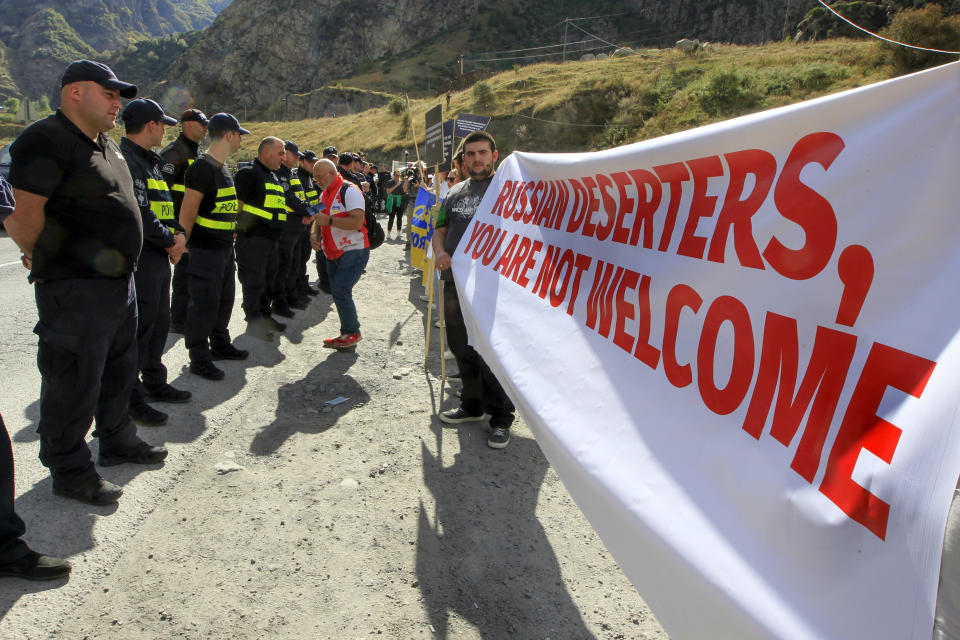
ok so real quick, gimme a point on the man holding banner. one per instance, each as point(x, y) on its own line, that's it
point(482, 392)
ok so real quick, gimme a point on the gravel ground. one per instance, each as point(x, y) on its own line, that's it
point(278, 515)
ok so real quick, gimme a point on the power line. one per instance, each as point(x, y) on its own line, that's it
point(609, 15)
point(879, 37)
point(546, 46)
point(593, 36)
point(568, 124)
point(540, 55)
point(646, 31)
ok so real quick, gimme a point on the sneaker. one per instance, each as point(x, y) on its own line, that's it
point(345, 341)
point(147, 416)
point(167, 393)
point(229, 352)
point(36, 566)
point(327, 342)
point(206, 369)
point(282, 310)
point(458, 415)
point(499, 437)
point(140, 453)
point(94, 491)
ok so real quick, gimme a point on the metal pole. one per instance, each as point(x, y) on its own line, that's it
point(566, 22)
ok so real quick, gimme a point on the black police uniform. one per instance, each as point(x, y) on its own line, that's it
point(312, 194)
point(83, 263)
point(212, 266)
point(12, 547)
point(285, 285)
point(258, 235)
point(153, 270)
point(177, 156)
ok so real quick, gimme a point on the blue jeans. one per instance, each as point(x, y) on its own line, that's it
point(344, 273)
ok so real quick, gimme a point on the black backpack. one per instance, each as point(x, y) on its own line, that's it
point(375, 232)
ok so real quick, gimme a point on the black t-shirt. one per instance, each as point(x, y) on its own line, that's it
point(92, 225)
point(208, 176)
point(457, 211)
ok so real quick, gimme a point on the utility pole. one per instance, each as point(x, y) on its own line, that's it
point(566, 23)
point(461, 64)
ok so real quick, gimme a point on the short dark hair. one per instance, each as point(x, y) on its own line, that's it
point(477, 136)
point(134, 129)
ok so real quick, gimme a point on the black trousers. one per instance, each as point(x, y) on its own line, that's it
point(288, 256)
point(12, 548)
point(153, 319)
point(323, 278)
point(482, 392)
point(180, 296)
point(87, 356)
point(304, 250)
point(256, 268)
point(212, 289)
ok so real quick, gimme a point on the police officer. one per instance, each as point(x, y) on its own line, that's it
point(163, 243)
point(209, 218)
point(16, 558)
point(78, 225)
point(286, 295)
point(262, 214)
point(311, 191)
point(177, 156)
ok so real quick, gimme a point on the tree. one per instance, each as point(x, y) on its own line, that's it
point(12, 104)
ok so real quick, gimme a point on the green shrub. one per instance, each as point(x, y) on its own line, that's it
point(727, 91)
point(397, 106)
point(923, 28)
point(483, 94)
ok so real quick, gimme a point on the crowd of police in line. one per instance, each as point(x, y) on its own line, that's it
point(100, 224)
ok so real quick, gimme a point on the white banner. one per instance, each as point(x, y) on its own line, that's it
point(738, 347)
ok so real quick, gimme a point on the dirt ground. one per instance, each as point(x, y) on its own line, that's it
point(277, 515)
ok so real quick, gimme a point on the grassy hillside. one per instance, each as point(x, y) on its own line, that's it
point(580, 106)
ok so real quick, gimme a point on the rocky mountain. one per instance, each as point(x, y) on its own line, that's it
point(266, 54)
point(39, 36)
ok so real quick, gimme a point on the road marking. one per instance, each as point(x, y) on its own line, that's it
point(7, 264)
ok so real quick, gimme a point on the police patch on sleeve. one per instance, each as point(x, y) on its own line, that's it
point(168, 169)
point(140, 189)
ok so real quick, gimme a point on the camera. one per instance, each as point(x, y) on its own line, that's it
point(413, 175)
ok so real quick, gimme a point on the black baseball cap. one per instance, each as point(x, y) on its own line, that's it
point(144, 110)
point(221, 122)
point(88, 70)
point(330, 151)
point(309, 155)
point(194, 115)
point(290, 145)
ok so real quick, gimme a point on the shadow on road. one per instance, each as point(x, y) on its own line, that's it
point(301, 408)
point(485, 556)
